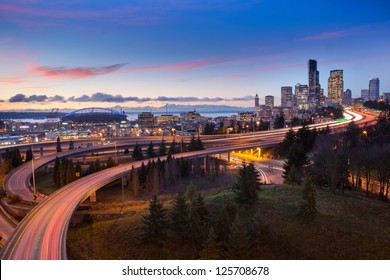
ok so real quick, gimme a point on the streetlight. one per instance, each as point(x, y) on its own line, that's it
point(33, 173)
point(258, 149)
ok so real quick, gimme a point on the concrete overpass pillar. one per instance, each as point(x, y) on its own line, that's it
point(92, 198)
point(84, 159)
point(228, 156)
point(41, 150)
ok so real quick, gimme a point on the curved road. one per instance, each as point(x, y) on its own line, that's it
point(42, 233)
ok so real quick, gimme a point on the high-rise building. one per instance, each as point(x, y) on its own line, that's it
point(269, 101)
point(257, 104)
point(365, 94)
point(301, 96)
point(386, 96)
point(347, 97)
point(336, 86)
point(314, 82)
point(287, 97)
point(373, 88)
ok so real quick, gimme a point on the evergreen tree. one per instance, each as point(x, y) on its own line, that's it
point(179, 216)
point(70, 172)
point(56, 172)
point(16, 157)
point(91, 168)
point(279, 121)
point(111, 162)
point(63, 172)
point(195, 227)
point(293, 177)
point(162, 150)
point(126, 151)
point(199, 144)
point(137, 152)
point(7, 164)
point(142, 176)
point(153, 228)
point(98, 165)
point(209, 129)
point(225, 219)
point(183, 146)
point(59, 149)
point(172, 148)
point(71, 145)
point(307, 208)
point(78, 170)
point(288, 141)
point(29, 155)
point(238, 245)
point(212, 248)
point(150, 151)
point(201, 208)
point(246, 185)
point(296, 156)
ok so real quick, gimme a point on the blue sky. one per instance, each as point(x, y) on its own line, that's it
point(137, 53)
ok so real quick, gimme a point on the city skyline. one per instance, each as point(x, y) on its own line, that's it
point(192, 52)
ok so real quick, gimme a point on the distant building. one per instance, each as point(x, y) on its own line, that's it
point(166, 119)
point(146, 119)
point(336, 87)
point(286, 97)
point(358, 102)
point(269, 101)
point(347, 97)
point(192, 116)
point(302, 96)
point(365, 94)
point(373, 88)
point(257, 103)
point(386, 96)
point(246, 116)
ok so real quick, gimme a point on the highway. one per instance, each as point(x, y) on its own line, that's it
point(42, 233)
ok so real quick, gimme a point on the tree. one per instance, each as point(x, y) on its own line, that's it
point(56, 172)
point(137, 152)
point(288, 141)
point(71, 145)
point(307, 208)
point(279, 121)
point(225, 218)
point(212, 248)
point(199, 144)
point(6, 165)
point(192, 145)
point(111, 162)
point(172, 148)
point(351, 135)
point(238, 245)
point(162, 150)
point(126, 151)
point(293, 177)
point(29, 155)
point(209, 129)
point(179, 216)
point(70, 172)
point(154, 224)
point(246, 185)
point(296, 156)
point(150, 151)
point(59, 149)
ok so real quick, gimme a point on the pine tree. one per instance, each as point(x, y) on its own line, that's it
point(59, 149)
point(192, 146)
point(111, 162)
point(71, 145)
point(179, 216)
point(162, 150)
point(150, 151)
point(225, 219)
point(137, 152)
point(56, 172)
point(154, 224)
point(296, 156)
point(70, 172)
point(172, 148)
point(63, 172)
point(29, 155)
point(238, 245)
point(199, 144)
point(288, 141)
point(91, 168)
point(6, 165)
point(212, 248)
point(98, 166)
point(246, 185)
point(307, 208)
point(293, 176)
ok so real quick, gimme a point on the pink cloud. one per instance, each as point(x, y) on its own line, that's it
point(325, 36)
point(13, 80)
point(78, 72)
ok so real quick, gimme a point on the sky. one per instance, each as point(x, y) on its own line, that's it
point(76, 54)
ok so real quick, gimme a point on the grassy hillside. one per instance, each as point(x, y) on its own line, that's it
point(348, 226)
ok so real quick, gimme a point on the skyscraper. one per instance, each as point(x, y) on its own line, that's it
point(347, 97)
point(301, 95)
point(373, 89)
point(336, 86)
point(314, 81)
point(257, 104)
point(365, 94)
point(287, 97)
point(269, 101)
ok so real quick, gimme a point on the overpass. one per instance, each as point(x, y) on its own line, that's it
point(42, 233)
